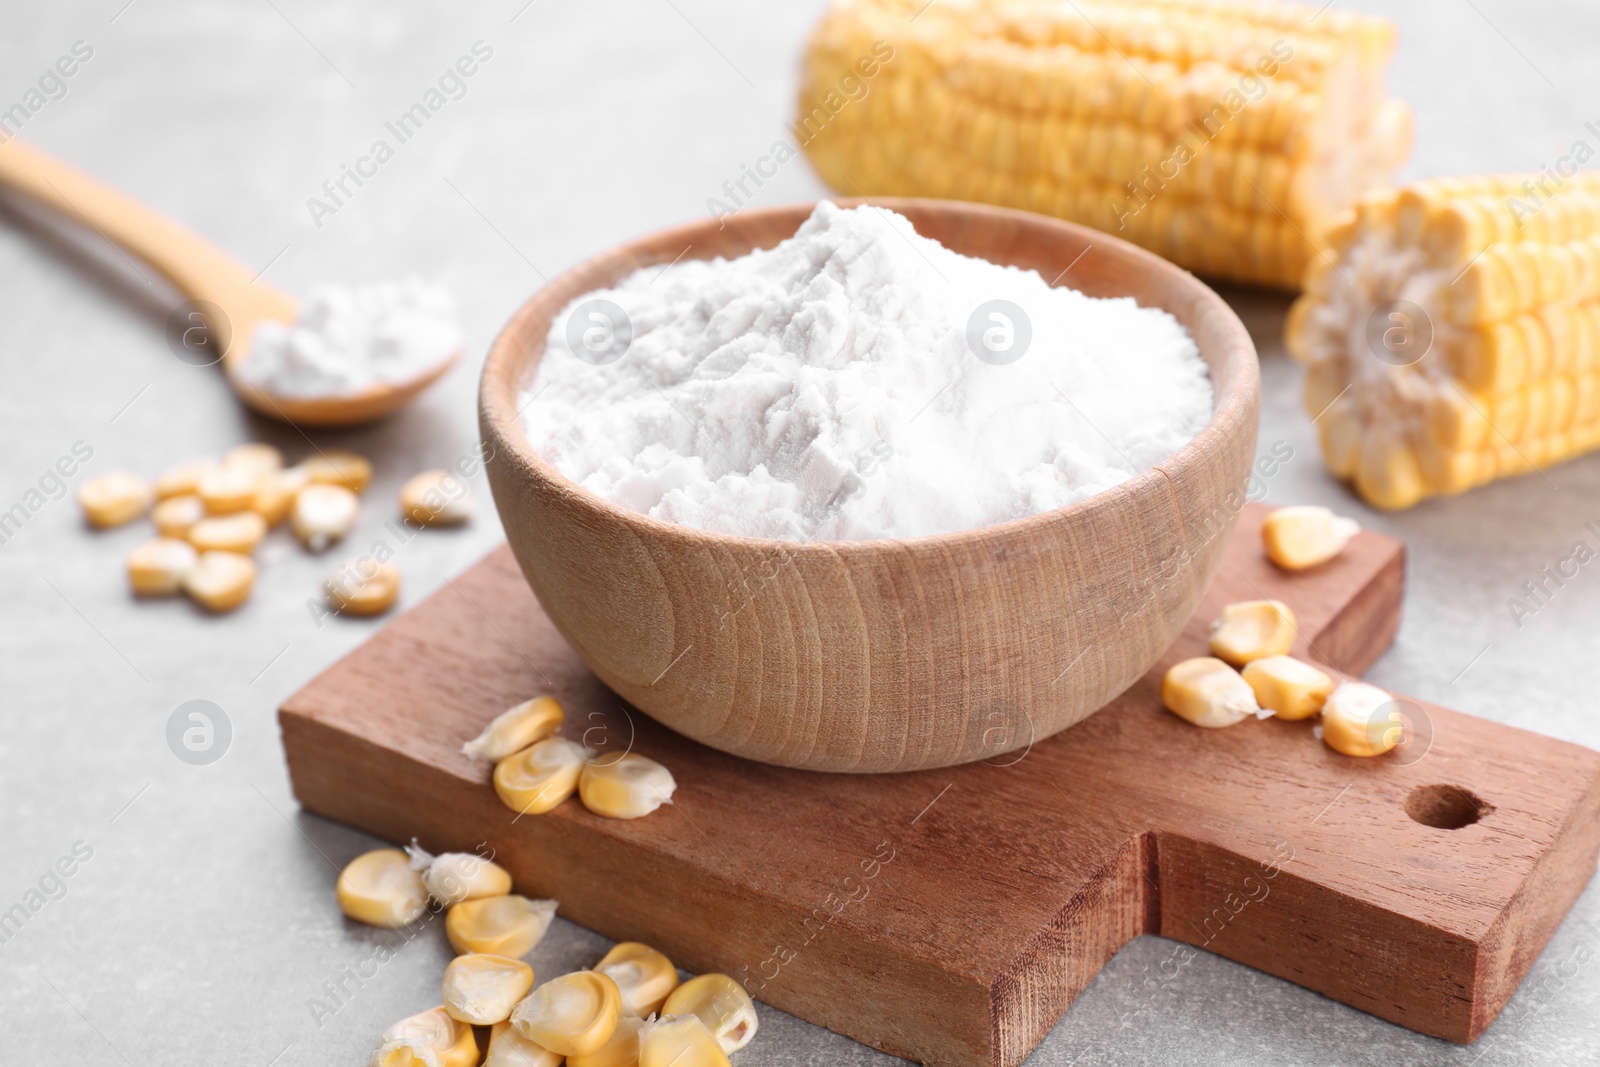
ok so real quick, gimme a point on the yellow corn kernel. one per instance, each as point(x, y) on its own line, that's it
point(225, 490)
point(431, 1039)
point(541, 776)
point(1299, 537)
point(502, 926)
point(256, 458)
point(720, 1003)
point(362, 587)
point(1207, 692)
point(174, 515)
point(626, 786)
point(379, 888)
point(481, 988)
point(339, 467)
point(572, 1015)
point(516, 728)
point(620, 1050)
point(452, 877)
point(508, 1048)
point(113, 499)
point(184, 479)
point(644, 976)
point(679, 1042)
point(158, 567)
point(1361, 720)
point(323, 514)
point(435, 498)
point(275, 493)
point(239, 532)
point(220, 581)
point(1253, 629)
point(1287, 687)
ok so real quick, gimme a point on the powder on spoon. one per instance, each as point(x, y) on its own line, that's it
point(347, 340)
point(827, 388)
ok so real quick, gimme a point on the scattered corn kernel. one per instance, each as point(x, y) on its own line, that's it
point(174, 515)
point(158, 567)
point(225, 490)
point(452, 877)
point(322, 514)
point(541, 776)
point(625, 786)
point(1299, 537)
point(1251, 630)
point(431, 1039)
point(679, 1042)
point(435, 498)
point(572, 1015)
point(621, 1048)
point(501, 926)
point(1361, 720)
point(256, 458)
point(239, 532)
point(113, 499)
point(275, 493)
point(362, 587)
point(720, 1003)
point(481, 988)
point(339, 467)
point(515, 729)
point(508, 1048)
point(379, 888)
point(1208, 692)
point(644, 976)
point(220, 581)
point(1287, 687)
point(184, 479)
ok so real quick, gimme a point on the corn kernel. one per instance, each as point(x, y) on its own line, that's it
point(431, 1039)
point(541, 776)
point(516, 728)
point(225, 490)
point(379, 888)
point(362, 587)
point(275, 493)
point(220, 581)
point(720, 1003)
point(435, 498)
point(620, 1050)
point(158, 567)
point(482, 989)
point(644, 976)
point(239, 532)
point(184, 479)
point(679, 1042)
point(572, 1015)
point(452, 877)
point(322, 514)
point(625, 786)
point(1208, 692)
point(1251, 630)
point(1287, 687)
point(508, 1048)
point(339, 467)
point(113, 499)
point(256, 458)
point(1299, 537)
point(176, 514)
point(501, 926)
point(1361, 720)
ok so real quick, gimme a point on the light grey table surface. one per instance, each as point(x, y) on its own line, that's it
point(202, 927)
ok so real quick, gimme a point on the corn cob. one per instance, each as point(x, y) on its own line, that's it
point(1223, 135)
point(1451, 334)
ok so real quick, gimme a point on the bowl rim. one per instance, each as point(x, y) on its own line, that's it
point(508, 361)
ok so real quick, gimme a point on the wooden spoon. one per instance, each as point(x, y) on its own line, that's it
point(202, 272)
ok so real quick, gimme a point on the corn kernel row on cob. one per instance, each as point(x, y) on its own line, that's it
point(1222, 135)
point(1452, 334)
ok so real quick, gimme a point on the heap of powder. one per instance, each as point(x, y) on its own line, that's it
point(827, 389)
point(348, 339)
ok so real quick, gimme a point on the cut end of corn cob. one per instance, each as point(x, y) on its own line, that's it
point(501, 926)
point(481, 988)
point(113, 499)
point(679, 1042)
point(516, 728)
point(379, 888)
point(721, 1004)
point(1208, 692)
point(1361, 720)
point(628, 786)
point(644, 976)
point(540, 776)
point(572, 1015)
point(452, 877)
point(508, 1048)
point(1287, 687)
point(1254, 629)
point(431, 1039)
point(1296, 538)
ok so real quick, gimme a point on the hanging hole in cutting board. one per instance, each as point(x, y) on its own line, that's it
point(1445, 807)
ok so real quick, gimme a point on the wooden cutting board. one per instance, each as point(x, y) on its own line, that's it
point(951, 916)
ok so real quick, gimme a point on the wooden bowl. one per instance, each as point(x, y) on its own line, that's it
point(882, 655)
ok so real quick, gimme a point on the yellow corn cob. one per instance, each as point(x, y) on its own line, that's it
point(1452, 336)
point(1224, 135)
